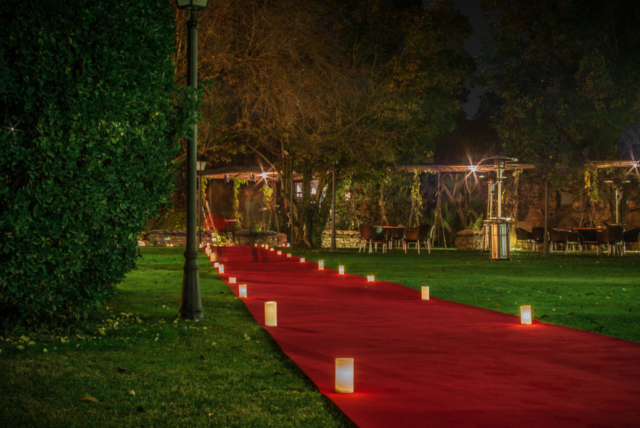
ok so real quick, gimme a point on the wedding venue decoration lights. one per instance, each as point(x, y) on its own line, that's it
point(525, 315)
point(301, 259)
point(242, 291)
point(270, 314)
point(344, 375)
point(220, 268)
point(232, 280)
point(425, 293)
point(370, 278)
point(341, 270)
point(320, 264)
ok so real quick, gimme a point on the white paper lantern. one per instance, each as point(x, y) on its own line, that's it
point(270, 314)
point(344, 375)
point(340, 270)
point(279, 253)
point(301, 259)
point(221, 269)
point(525, 315)
point(242, 291)
point(320, 264)
point(288, 254)
point(232, 280)
point(370, 278)
point(216, 264)
point(425, 293)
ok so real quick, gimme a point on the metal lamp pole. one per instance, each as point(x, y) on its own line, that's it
point(191, 301)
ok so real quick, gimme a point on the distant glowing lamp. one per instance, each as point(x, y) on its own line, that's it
point(344, 375)
point(370, 278)
point(320, 264)
point(635, 164)
point(425, 293)
point(263, 175)
point(525, 315)
point(341, 270)
point(270, 314)
point(232, 280)
point(473, 168)
point(242, 291)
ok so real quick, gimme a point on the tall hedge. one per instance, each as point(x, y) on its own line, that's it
point(89, 115)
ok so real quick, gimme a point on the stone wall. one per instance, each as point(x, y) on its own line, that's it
point(344, 239)
point(469, 240)
point(269, 237)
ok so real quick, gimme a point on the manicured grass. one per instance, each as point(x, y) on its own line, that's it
point(585, 291)
point(223, 372)
point(229, 372)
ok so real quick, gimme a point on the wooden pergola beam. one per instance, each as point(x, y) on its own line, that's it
point(464, 168)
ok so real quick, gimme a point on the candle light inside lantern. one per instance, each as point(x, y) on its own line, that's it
point(425, 293)
point(270, 249)
point(221, 269)
point(288, 254)
point(301, 259)
point(370, 278)
point(341, 270)
point(344, 375)
point(525, 315)
point(242, 291)
point(320, 264)
point(279, 252)
point(270, 314)
point(216, 264)
point(232, 280)
point(266, 246)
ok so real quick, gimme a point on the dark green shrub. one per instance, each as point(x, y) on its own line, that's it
point(88, 88)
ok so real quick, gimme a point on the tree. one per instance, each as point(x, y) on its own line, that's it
point(90, 114)
point(314, 86)
point(567, 75)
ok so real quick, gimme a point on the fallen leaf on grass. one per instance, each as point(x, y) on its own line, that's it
point(92, 399)
point(571, 313)
point(588, 294)
point(140, 409)
point(121, 370)
point(202, 357)
point(544, 316)
point(496, 306)
point(601, 328)
point(132, 392)
point(277, 374)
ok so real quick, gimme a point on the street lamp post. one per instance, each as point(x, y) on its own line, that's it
point(191, 301)
point(200, 166)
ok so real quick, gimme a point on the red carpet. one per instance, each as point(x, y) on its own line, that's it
point(436, 363)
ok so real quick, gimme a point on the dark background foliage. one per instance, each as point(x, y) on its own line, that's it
point(89, 115)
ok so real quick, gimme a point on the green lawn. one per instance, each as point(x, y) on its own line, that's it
point(145, 368)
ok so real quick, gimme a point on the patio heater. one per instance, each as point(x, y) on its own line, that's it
point(499, 227)
point(486, 228)
point(617, 184)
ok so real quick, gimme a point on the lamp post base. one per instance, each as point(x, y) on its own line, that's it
point(191, 302)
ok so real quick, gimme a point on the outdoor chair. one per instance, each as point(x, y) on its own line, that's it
point(371, 235)
point(632, 237)
point(537, 234)
point(613, 238)
point(418, 234)
point(574, 238)
point(523, 236)
point(395, 237)
point(558, 237)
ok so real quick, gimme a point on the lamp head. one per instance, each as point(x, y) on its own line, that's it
point(192, 4)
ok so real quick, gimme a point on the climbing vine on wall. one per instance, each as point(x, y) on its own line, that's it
point(416, 200)
point(236, 200)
